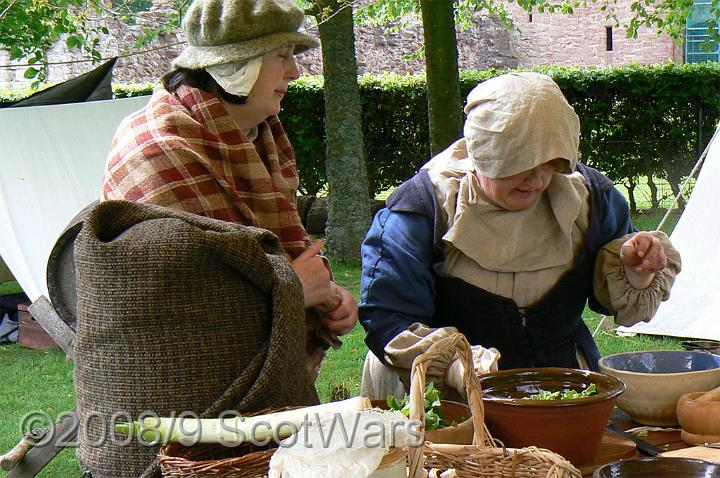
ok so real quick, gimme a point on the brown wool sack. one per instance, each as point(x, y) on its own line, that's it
point(179, 313)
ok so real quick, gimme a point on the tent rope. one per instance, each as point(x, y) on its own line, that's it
point(685, 185)
point(602, 321)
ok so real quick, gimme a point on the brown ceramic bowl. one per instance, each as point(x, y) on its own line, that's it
point(572, 428)
point(659, 467)
point(699, 417)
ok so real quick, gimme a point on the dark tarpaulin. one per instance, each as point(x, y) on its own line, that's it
point(94, 85)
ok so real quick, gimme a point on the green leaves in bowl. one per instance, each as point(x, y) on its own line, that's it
point(433, 411)
point(558, 395)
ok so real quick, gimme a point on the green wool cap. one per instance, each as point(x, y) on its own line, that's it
point(231, 31)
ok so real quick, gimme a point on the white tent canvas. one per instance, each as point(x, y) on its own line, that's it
point(51, 165)
point(694, 304)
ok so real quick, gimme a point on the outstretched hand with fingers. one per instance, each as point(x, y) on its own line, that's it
point(642, 255)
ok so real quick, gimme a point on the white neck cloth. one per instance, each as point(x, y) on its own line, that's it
point(498, 240)
point(236, 78)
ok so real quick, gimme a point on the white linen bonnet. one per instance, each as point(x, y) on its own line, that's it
point(518, 121)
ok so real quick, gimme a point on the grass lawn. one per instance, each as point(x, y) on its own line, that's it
point(42, 381)
point(35, 381)
point(12, 287)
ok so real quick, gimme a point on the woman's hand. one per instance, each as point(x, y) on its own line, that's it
point(313, 274)
point(342, 320)
point(642, 255)
point(484, 360)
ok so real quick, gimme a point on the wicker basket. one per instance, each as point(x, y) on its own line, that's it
point(483, 459)
point(211, 460)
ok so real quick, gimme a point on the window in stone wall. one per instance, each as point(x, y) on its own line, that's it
point(699, 46)
point(529, 17)
point(608, 39)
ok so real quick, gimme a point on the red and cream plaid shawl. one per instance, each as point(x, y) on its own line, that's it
point(186, 152)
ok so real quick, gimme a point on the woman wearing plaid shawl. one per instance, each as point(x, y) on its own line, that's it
point(210, 142)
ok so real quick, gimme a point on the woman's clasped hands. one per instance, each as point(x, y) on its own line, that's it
point(320, 292)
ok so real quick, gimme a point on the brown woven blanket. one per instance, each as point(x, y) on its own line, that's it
point(179, 312)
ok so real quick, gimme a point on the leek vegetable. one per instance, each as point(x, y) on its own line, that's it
point(235, 429)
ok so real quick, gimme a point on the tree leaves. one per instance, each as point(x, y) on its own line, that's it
point(74, 41)
point(31, 73)
point(29, 28)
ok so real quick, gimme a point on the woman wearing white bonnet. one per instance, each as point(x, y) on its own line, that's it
point(209, 142)
point(505, 236)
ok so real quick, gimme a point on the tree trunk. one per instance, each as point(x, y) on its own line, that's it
point(631, 195)
point(441, 69)
point(675, 182)
point(654, 203)
point(349, 202)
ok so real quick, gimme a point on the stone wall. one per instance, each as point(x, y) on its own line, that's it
point(540, 39)
point(487, 44)
point(580, 40)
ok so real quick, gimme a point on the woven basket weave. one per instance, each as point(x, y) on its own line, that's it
point(482, 459)
point(212, 460)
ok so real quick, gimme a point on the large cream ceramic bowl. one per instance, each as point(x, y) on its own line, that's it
point(656, 379)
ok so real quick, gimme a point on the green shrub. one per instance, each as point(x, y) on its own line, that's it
point(651, 120)
point(303, 117)
point(644, 120)
point(9, 95)
point(132, 89)
point(636, 121)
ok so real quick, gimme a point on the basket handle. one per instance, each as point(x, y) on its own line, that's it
point(459, 343)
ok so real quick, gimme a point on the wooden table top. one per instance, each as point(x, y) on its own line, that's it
point(615, 447)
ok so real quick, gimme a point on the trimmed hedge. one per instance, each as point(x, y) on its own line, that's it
point(651, 121)
point(635, 121)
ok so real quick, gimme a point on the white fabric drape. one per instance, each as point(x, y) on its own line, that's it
point(694, 304)
point(51, 166)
